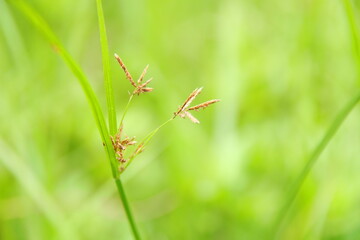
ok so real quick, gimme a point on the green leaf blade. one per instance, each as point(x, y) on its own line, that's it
point(106, 69)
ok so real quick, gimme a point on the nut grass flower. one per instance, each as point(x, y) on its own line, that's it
point(121, 144)
point(139, 88)
point(184, 109)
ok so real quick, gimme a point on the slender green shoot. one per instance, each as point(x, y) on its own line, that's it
point(127, 208)
point(112, 111)
point(106, 68)
point(331, 130)
point(125, 110)
point(329, 134)
point(142, 144)
point(146, 140)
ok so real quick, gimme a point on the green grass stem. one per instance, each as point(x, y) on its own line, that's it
point(146, 140)
point(127, 208)
point(329, 134)
point(106, 68)
point(112, 111)
point(126, 109)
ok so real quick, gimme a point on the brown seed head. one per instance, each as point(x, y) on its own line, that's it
point(183, 111)
point(138, 150)
point(143, 74)
point(120, 145)
point(127, 73)
point(139, 88)
point(142, 90)
point(203, 105)
point(188, 101)
point(191, 117)
point(145, 83)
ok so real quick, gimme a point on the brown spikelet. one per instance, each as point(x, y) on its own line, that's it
point(139, 87)
point(145, 83)
point(120, 145)
point(183, 110)
point(191, 117)
point(143, 90)
point(203, 105)
point(143, 74)
point(127, 73)
point(120, 131)
point(138, 150)
point(188, 101)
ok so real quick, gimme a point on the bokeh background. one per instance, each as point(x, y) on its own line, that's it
point(283, 70)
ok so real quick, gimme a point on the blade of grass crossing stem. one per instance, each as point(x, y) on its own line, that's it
point(106, 68)
point(43, 27)
point(331, 131)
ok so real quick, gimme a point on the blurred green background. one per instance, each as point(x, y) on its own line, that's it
point(283, 70)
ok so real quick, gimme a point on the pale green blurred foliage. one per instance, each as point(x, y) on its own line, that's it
point(282, 70)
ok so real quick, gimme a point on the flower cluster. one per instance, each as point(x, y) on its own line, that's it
point(139, 86)
point(121, 143)
point(184, 109)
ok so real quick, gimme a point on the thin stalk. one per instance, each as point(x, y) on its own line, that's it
point(128, 212)
point(152, 133)
point(106, 68)
point(329, 134)
point(145, 141)
point(126, 109)
point(112, 111)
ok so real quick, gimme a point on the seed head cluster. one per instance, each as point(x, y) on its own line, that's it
point(184, 109)
point(139, 86)
point(121, 143)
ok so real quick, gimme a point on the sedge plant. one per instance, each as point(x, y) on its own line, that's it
point(114, 140)
point(117, 144)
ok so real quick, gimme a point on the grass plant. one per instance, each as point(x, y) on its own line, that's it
point(277, 160)
point(116, 147)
